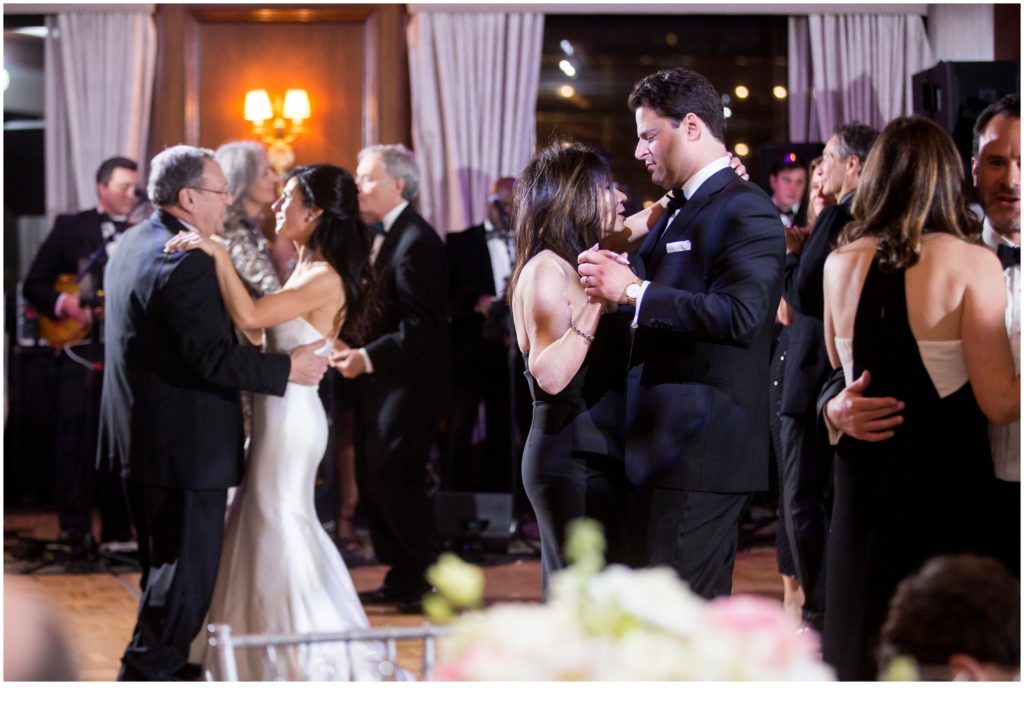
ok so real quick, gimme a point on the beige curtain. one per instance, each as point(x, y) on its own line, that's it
point(846, 68)
point(98, 96)
point(474, 79)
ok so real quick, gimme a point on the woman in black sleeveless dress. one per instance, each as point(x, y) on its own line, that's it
point(928, 324)
point(575, 353)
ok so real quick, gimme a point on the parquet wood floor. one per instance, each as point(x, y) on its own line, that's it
point(98, 610)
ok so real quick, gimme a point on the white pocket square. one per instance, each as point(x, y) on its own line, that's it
point(677, 246)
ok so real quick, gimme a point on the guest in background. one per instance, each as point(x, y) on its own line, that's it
point(253, 186)
point(958, 618)
point(480, 262)
point(807, 457)
point(996, 171)
point(788, 182)
point(75, 254)
point(793, 597)
point(403, 376)
point(566, 203)
point(911, 297)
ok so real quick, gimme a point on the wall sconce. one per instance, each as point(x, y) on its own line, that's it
point(285, 118)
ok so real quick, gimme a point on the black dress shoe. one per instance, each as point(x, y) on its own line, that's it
point(381, 595)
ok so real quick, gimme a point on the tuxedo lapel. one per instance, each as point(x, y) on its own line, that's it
point(391, 238)
point(677, 230)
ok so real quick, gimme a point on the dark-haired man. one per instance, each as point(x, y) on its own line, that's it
point(996, 170)
point(705, 291)
point(807, 458)
point(77, 248)
point(788, 183)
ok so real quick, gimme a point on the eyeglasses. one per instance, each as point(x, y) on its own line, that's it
point(222, 193)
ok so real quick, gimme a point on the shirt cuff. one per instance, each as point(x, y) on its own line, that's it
point(639, 300)
point(366, 360)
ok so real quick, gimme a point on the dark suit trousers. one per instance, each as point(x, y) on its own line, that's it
point(807, 502)
point(79, 485)
point(392, 481)
point(692, 532)
point(180, 535)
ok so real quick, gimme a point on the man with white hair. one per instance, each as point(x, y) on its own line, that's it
point(404, 375)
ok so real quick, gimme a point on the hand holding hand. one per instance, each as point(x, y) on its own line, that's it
point(70, 307)
point(308, 367)
point(349, 363)
point(605, 274)
point(870, 419)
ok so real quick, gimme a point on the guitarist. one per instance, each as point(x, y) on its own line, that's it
point(74, 253)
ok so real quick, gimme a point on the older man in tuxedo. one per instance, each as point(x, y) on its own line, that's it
point(705, 291)
point(403, 375)
point(76, 250)
point(171, 420)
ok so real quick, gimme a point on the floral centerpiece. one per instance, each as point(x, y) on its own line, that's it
point(614, 623)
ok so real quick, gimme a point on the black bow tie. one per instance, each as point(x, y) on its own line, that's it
point(119, 225)
point(378, 228)
point(676, 200)
point(1008, 255)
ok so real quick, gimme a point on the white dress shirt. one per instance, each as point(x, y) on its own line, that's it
point(1005, 440)
point(690, 188)
point(499, 248)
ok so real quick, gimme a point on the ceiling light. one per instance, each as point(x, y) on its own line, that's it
point(566, 91)
point(779, 92)
point(741, 149)
point(727, 112)
point(742, 92)
point(567, 47)
point(567, 67)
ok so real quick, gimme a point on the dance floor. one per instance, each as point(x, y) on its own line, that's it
point(97, 609)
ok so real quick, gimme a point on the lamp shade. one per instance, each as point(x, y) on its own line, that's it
point(257, 106)
point(296, 105)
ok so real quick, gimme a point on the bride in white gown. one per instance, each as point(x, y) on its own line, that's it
point(279, 570)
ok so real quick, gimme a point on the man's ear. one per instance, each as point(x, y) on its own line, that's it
point(692, 126)
point(186, 199)
point(974, 170)
point(400, 186)
point(964, 668)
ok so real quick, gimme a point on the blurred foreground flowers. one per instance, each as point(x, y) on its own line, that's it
point(617, 624)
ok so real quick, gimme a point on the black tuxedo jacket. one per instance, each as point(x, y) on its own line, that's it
point(411, 382)
point(74, 238)
point(697, 384)
point(471, 276)
point(807, 363)
point(170, 414)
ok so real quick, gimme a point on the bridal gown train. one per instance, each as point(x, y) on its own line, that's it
point(279, 570)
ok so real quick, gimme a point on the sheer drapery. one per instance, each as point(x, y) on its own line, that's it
point(474, 79)
point(846, 68)
point(962, 32)
point(99, 86)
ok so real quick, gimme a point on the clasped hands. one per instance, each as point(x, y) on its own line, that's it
point(346, 360)
point(605, 274)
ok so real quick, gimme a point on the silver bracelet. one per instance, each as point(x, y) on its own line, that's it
point(581, 332)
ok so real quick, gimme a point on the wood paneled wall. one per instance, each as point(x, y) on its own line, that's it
point(351, 59)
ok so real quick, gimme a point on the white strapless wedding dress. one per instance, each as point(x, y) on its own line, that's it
point(279, 571)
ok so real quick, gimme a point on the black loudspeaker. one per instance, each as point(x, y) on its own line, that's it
point(474, 520)
point(954, 94)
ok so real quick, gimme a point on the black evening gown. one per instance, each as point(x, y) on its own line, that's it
point(573, 460)
point(901, 501)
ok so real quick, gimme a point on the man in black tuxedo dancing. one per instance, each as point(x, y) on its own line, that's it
point(78, 248)
point(170, 418)
point(705, 290)
point(404, 376)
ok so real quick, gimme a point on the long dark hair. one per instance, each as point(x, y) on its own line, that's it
point(910, 185)
point(557, 204)
point(343, 240)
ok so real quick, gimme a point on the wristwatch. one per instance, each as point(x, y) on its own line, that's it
point(633, 291)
